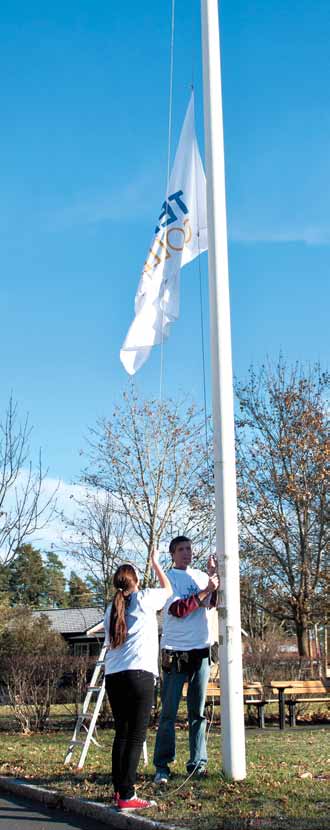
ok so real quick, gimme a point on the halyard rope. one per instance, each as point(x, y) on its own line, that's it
point(169, 144)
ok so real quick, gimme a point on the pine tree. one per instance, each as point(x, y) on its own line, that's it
point(79, 593)
point(56, 581)
point(27, 578)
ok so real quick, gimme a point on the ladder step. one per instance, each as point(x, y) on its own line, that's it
point(77, 742)
point(94, 688)
point(85, 715)
point(100, 663)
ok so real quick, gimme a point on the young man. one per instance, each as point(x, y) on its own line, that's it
point(185, 644)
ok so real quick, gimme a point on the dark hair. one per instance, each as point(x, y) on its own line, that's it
point(176, 541)
point(125, 580)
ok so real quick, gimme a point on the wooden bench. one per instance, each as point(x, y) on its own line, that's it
point(252, 695)
point(291, 692)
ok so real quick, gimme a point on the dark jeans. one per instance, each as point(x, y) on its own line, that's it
point(131, 695)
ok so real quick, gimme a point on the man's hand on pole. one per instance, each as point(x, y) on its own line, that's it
point(212, 565)
point(213, 583)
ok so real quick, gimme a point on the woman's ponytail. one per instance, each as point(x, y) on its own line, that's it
point(125, 580)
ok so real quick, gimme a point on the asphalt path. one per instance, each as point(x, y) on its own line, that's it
point(19, 814)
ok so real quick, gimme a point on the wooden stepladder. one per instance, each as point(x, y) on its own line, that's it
point(87, 719)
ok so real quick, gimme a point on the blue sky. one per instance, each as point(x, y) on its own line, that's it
point(84, 104)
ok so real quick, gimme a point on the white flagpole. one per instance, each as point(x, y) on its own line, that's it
point(230, 651)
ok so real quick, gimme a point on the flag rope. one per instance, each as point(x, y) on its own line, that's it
point(202, 329)
point(169, 145)
point(161, 371)
point(206, 431)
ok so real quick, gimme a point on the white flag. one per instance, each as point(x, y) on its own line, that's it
point(180, 236)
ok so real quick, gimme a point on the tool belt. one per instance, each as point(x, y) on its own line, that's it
point(184, 662)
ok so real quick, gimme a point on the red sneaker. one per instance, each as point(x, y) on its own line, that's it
point(134, 803)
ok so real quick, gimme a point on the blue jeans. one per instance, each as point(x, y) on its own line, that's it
point(173, 682)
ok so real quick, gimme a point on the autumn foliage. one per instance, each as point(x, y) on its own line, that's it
point(283, 491)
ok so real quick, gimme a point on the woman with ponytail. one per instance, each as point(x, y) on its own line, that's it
point(131, 664)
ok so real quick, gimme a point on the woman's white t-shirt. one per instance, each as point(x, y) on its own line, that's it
point(140, 649)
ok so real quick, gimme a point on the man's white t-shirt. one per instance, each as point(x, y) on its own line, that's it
point(140, 649)
point(194, 630)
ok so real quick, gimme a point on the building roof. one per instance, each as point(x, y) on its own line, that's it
point(71, 620)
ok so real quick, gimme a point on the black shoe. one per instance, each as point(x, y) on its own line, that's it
point(198, 771)
point(201, 772)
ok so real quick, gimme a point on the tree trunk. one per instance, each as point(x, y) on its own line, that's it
point(302, 636)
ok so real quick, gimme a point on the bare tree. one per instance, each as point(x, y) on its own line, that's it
point(283, 489)
point(24, 507)
point(150, 457)
point(255, 619)
point(32, 660)
point(97, 539)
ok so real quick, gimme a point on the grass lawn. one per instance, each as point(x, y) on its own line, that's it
point(288, 775)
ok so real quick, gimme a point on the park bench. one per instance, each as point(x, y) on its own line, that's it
point(252, 695)
point(292, 692)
